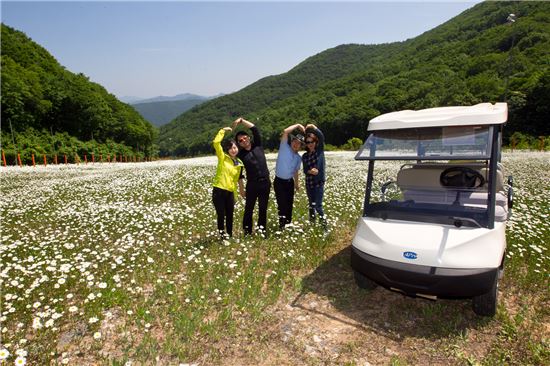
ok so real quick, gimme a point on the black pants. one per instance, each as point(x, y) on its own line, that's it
point(224, 202)
point(256, 191)
point(284, 193)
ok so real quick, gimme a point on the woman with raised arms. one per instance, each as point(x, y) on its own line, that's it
point(228, 175)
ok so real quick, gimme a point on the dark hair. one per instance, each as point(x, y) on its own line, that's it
point(240, 133)
point(227, 144)
point(312, 136)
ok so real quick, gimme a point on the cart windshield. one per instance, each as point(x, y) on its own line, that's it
point(431, 143)
point(440, 192)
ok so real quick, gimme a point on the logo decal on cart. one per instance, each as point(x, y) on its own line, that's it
point(410, 255)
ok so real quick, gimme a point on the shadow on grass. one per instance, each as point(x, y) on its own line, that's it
point(383, 311)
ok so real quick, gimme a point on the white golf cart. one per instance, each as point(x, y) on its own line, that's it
point(436, 228)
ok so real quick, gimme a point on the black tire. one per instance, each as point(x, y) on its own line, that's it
point(486, 304)
point(363, 281)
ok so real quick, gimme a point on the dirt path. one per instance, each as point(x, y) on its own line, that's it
point(331, 321)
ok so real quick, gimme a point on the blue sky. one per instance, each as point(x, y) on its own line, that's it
point(147, 49)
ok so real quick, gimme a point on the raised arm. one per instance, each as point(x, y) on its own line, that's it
point(242, 121)
point(320, 136)
point(291, 128)
point(217, 142)
point(255, 133)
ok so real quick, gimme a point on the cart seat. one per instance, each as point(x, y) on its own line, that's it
point(420, 183)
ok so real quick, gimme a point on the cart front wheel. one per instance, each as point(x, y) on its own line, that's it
point(486, 304)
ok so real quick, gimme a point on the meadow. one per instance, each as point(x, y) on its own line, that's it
point(121, 264)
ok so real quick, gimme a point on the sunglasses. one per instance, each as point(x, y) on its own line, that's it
point(310, 142)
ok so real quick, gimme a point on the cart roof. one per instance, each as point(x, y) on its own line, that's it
point(479, 114)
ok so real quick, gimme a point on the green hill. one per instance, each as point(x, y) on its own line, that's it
point(467, 60)
point(53, 111)
point(160, 113)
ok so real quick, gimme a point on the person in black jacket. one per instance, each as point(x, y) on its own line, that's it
point(314, 169)
point(258, 185)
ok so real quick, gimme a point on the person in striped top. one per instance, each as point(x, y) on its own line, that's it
point(314, 169)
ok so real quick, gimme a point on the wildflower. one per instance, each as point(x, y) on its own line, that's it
point(36, 323)
point(73, 309)
point(4, 353)
point(21, 352)
point(97, 335)
point(20, 361)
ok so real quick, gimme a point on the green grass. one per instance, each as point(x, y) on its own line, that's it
point(136, 247)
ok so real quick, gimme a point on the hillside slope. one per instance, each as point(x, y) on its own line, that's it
point(475, 57)
point(41, 98)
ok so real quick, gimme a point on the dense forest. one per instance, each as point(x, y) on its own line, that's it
point(475, 57)
point(49, 110)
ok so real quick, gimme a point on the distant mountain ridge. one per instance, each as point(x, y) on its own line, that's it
point(162, 98)
point(161, 112)
point(162, 109)
point(475, 57)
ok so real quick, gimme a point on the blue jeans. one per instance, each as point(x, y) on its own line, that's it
point(315, 198)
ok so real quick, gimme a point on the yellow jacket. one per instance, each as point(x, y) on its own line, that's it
point(228, 171)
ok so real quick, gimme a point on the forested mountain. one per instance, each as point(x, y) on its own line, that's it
point(51, 110)
point(475, 57)
point(162, 112)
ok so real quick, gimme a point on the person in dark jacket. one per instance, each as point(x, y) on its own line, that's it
point(314, 169)
point(258, 185)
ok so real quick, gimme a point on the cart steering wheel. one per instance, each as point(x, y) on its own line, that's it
point(461, 177)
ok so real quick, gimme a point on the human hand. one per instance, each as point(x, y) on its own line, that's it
point(227, 129)
point(236, 122)
point(310, 126)
point(301, 127)
point(313, 171)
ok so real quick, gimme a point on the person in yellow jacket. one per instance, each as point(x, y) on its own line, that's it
point(229, 173)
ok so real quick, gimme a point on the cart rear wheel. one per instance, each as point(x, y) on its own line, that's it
point(486, 304)
point(363, 281)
